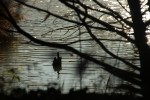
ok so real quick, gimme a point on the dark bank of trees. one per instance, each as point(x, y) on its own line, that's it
point(128, 21)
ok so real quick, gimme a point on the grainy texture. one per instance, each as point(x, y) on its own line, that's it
point(29, 66)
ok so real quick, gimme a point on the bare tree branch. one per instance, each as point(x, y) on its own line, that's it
point(130, 77)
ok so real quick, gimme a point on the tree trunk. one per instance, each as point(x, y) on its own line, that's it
point(141, 43)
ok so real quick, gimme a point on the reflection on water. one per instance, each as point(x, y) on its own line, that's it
point(6, 46)
point(31, 66)
point(7, 74)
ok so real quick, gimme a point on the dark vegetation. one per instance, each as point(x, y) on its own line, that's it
point(120, 26)
point(5, 25)
point(55, 94)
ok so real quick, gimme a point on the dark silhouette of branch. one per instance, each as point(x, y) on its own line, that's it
point(102, 45)
point(114, 12)
point(98, 39)
point(116, 15)
point(108, 26)
point(123, 6)
point(47, 12)
point(128, 76)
